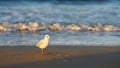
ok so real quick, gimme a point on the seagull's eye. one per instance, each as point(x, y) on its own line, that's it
point(47, 36)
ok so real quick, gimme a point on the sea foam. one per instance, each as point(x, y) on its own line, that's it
point(34, 26)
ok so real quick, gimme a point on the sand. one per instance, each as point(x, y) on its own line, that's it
point(60, 57)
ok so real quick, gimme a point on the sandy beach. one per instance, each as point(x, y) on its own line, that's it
point(60, 57)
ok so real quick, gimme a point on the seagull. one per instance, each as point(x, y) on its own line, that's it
point(43, 44)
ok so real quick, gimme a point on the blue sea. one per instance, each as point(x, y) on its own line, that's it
point(64, 12)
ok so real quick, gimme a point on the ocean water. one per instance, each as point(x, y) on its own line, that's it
point(64, 12)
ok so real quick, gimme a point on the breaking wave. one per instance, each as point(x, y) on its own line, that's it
point(34, 26)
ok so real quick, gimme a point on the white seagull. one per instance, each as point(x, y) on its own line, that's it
point(43, 44)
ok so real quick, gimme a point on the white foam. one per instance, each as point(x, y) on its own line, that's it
point(34, 26)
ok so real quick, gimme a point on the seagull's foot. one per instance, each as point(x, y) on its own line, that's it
point(44, 53)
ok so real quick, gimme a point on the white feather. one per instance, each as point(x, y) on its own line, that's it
point(43, 43)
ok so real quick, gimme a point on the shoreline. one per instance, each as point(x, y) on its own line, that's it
point(60, 57)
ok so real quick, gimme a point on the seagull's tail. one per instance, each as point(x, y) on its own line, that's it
point(37, 45)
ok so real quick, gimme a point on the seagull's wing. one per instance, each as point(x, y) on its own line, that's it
point(39, 43)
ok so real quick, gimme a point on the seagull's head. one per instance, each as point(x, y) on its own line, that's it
point(47, 36)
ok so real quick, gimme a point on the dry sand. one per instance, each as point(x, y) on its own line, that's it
point(60, 57)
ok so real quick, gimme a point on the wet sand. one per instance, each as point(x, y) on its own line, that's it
point(60, 57)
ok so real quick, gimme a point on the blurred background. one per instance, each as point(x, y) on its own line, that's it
point(64, 12)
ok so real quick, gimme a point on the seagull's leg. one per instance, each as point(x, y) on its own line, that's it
point(45, 51)
point(42, 51)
